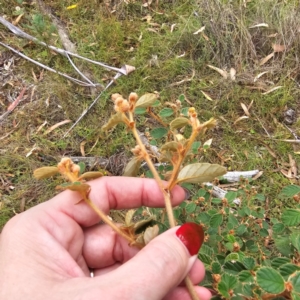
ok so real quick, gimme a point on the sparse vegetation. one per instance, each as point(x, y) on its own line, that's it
point(251, 88)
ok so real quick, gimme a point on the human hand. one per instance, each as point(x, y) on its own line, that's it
point(47, 251)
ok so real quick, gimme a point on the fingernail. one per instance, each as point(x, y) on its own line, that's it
point(192, 236)
point(187, 194)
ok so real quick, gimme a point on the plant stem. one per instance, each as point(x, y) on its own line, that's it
point(106, 220)
point(176, 169)
point(168, 203)
point(190, 287)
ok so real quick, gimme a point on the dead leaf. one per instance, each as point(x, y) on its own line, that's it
point(129, 216)
point(278, 48)
point(179, 122)
point(257, 175)
point(267, 58)
point(207, 143)
point(260, 25)
point(22, 204)
point(220, 71)
point(45, 172)
point(232, 73)
point(133, 167)
point(240, 119)
point(151, 233)
point(17, 20)
point(146, 100)
point(56, 126)
point(82, 148)
point(206, 96)
point(272, 90)
point(13, 105)
point(90, 175)
point(245, 109)
point(200, 30)
point(41, 126)
point(172, 27)
point(259, 75)
point(200, 172)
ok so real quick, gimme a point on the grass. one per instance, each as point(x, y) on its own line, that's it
point(165, 61)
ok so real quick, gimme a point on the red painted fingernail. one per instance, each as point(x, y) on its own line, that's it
point(192, 236)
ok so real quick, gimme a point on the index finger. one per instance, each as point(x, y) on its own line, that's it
point(113, 193)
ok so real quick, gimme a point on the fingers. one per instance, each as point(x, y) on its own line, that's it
point(154, 270)
point(112, 193)
point(181, 293)
point(103, 247)
point(104, 251)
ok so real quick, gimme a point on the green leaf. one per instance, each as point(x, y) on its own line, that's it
point(270, 280)
point(146, 100)
point(166, 112)
point(181, 98)
point(252, 246)
point(230, 196)
point(179, 122)
point(241, 229)
point(132, 168)
point(233, 220)
point(288, 269)
point(185, 111)
point(246, 277)
point(159, 132)
point(263, 232)
point(222, 289)
point(82, 167)
point(207, 250)
point(290, 191)
point(295, 239)
point(295, 281)
point(190, 208)
point(291, 217)
point(195, 147)
point(200, 172)
point(249, 263)
point(229, 280)
point(233, 267)
point(278, 228)
point(113, 121)
point(216, 220)
point(232, 257)
point(216, 268)
point(205, 258)
point(283, 245)
point(156, 103)
point(140, 110)
point(279, 261)
point(260, 197)
point(295, 296)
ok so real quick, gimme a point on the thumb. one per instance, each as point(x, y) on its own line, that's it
point(161, 265)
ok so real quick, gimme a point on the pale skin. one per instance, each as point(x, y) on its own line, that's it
point(47, 252)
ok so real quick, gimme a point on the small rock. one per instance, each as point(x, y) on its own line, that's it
point(289, 116)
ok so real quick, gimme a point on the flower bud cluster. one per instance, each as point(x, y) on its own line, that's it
point(193, 118)
point(66, 167)
point(136, 150)
point(122, 105)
